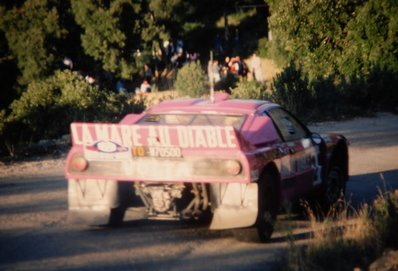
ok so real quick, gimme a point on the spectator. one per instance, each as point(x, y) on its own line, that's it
point(257, 70)
point(225, 67)
point(210, 71)
point(216, 71)
point(213, 71)
point(90, 79)
point(68, 62)
point(145, 87)
point(234, 65)
point(120, 88)
point(148, 74)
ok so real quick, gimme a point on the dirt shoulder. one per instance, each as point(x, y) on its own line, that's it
point(39, 166)
point(373, 141)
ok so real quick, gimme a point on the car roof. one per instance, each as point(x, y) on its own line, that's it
point(222, 104)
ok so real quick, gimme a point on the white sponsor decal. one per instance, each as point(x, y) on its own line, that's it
point(133, 135)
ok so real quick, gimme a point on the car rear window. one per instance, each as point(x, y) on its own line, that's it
point(194, 119)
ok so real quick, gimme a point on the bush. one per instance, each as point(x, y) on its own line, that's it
point(250, 90)
point(386, 218)
point(47, 107)
point(329, 102)
point(381, 85)
point(191, 80)
point(262, 47)
point(291, 89)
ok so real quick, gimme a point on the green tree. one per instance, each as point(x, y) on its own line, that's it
point(312, 32)
point(291, 89)
point(372, 39)
point(102, 37)
point(353, 42)
point(124, 34)
point(8, 74)
point(29, 30)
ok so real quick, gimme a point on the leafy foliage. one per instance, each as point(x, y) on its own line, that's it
point(48, 106)
point(191, 80)
point(291, 89)
point(102, 38)
point(372, 39)
point(349, 41)
point(328, 101)
point(250, 90)
point(29, 30)
point(312, 32)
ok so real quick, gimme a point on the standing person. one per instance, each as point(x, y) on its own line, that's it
point(120, 88)
point(148, 74)
point(216, 71)
point(257, 68)
point(210, 71)
point(225, 67)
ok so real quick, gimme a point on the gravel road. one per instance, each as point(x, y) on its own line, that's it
point(34, 233)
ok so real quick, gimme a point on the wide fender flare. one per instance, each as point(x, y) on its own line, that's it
point(235, 205)
point(90, 201)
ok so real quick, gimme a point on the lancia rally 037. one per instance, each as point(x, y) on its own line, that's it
point(234, 161)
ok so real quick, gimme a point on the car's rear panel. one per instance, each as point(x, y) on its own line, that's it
point(156, 153)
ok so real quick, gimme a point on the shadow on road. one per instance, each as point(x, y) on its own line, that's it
point(364, 188)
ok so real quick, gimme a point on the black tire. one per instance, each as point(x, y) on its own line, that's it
point(268, 206)
point(125, 197)
point(333, 196)
point(116, 216)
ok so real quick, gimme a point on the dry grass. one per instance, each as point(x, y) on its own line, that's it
point(349, 241)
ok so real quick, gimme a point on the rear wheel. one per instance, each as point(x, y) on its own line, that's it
point(267, 207)
point(116, 216)
point(267, 211)
point(125, 196)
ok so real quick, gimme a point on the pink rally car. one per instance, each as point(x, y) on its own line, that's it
point(236, 161)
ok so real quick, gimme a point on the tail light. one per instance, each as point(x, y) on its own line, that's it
point(217, 167)
point(79, 163)
point(233, 167)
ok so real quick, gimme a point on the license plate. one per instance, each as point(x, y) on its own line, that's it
point(152, 151)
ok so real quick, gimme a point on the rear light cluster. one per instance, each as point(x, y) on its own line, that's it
point(217, 167)
point(79, 164)
point(233, 167)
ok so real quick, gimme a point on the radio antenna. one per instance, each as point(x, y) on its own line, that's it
point(211, 75)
